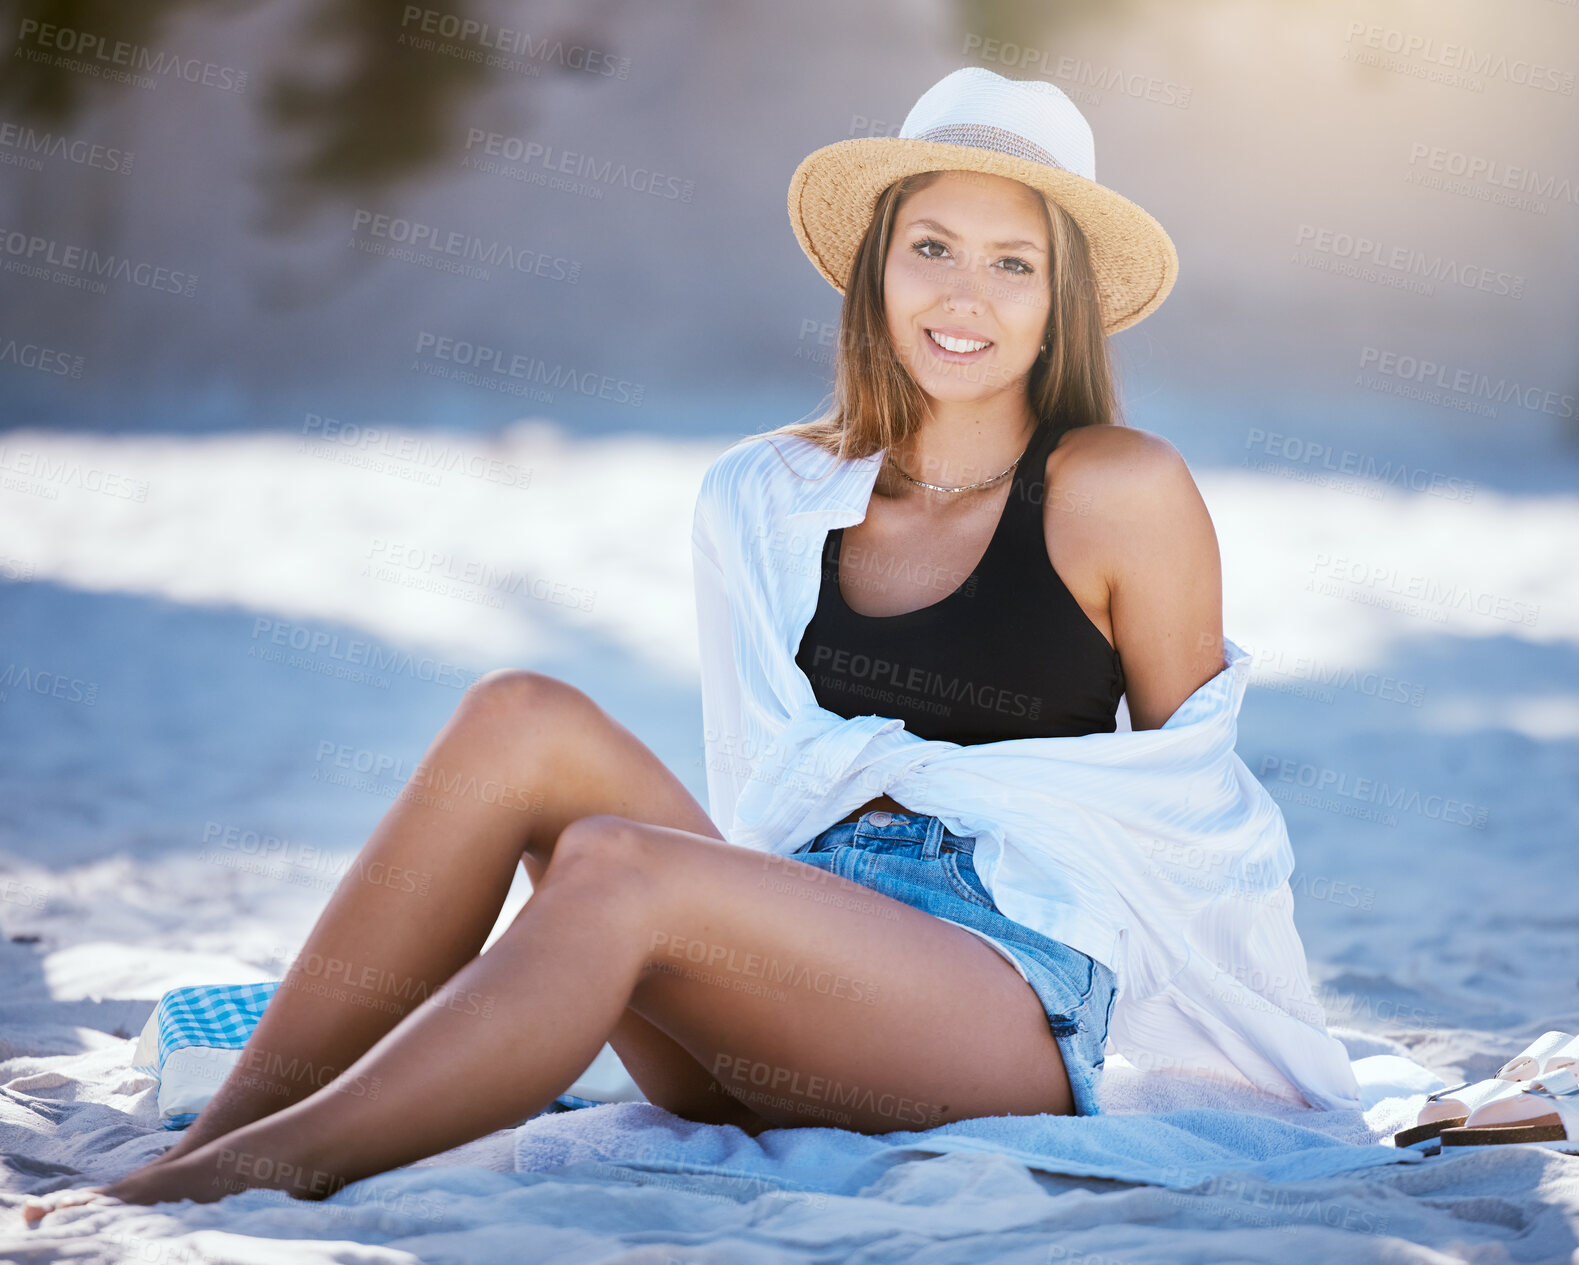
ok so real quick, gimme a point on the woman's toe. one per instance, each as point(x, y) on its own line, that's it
point(39, 1206)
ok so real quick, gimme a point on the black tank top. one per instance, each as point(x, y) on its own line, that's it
point(1007, 654)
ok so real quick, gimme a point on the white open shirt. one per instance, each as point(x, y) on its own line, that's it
point(1156, 852)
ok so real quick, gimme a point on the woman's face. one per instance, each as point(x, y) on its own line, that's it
point(968, 262)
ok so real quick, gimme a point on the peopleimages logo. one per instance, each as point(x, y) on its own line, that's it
point(504, 47)
point(1372, 790)
point(1372, 684)
point(406, 456)
point(49, 684)
point(1367, 251)
point(861, 674)
point(1468, 382)
point(1461, 58)
point(53, 474)
point(34, 255)
point(1318, 455)
point(1413, 593)
point(72, 49)
point(30, 355)
point(486, 362)
point(570, 162)
point(1488, 178)
point(422, 243)
point(30, 146)
point(355, 652)
point(1083, 76)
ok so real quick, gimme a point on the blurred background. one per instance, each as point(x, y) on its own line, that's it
point(349, 350)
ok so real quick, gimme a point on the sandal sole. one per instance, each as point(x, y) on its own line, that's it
point(1545, 1129)
point(1424, 1132)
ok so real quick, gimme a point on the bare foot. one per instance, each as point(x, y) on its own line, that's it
point(210, 1172)
point(152, 1183)
point(38, 1207)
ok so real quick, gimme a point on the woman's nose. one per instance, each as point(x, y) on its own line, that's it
point(968, 281)
point(965, 286)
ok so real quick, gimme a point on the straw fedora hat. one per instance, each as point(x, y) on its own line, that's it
point(975, 120)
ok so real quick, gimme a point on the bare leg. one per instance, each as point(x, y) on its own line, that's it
point(523, 756)
point(929, 1025)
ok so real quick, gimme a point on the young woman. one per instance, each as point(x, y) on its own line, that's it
point(1015, 534)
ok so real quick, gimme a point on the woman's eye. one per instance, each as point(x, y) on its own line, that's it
point(1013, 265)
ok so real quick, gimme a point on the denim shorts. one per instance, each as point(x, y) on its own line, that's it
point(914, 859)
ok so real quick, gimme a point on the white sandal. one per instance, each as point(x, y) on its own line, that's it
point(1516, 1109)
point(1537, 1061)
point(1545, 1109)
point(1451, 1108)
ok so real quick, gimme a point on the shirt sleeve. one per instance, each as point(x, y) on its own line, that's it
point(720, 674)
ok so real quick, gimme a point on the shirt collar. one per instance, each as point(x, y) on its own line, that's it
point(838, 489)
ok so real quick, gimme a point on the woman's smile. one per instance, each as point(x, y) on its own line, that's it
point(957, 345)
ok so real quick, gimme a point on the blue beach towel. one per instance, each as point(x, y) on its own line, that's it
point(196, 1034)
point(1175, 1149)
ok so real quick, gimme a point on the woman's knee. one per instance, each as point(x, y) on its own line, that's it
point(523, 692)
point(516, 712)
point(604, 849)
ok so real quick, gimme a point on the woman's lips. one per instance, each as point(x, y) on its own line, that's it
point(947, 353)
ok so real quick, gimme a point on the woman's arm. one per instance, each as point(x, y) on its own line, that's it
point(1154, 544)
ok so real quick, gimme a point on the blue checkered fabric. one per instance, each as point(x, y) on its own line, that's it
point(222, 1017)
point(218, 1016)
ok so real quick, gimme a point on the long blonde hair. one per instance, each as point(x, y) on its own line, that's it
point(877, 404)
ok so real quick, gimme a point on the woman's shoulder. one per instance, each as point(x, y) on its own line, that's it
point(1114, 450)
point(1121, 466)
